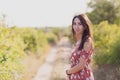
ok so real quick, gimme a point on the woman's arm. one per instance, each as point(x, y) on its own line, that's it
point(78, 67)
point(82, 60)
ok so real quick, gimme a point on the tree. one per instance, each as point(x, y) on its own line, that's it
point(104, 10)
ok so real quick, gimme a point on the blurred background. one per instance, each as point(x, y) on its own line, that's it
point(38, 32)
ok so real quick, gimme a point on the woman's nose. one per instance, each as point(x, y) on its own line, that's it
point(77, 25)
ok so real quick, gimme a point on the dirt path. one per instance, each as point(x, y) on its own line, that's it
point(62, 63)
point(46, 69)
point(31, 63)
point(56, 62)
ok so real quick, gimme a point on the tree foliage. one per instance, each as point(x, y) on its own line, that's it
point(103, 10)
point(107, 37)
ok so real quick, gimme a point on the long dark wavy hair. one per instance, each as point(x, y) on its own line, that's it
point(87, 29)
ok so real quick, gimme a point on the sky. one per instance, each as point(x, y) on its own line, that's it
point(41, 13)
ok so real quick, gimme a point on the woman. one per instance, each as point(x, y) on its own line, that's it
point(82, 54)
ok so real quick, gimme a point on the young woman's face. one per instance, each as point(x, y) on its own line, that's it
point(77, 26)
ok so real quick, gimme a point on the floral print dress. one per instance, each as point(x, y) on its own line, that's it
point(86, 72)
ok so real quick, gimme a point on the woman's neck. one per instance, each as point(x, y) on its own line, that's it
point(79, 37)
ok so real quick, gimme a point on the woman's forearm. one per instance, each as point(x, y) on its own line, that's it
point(76, 68)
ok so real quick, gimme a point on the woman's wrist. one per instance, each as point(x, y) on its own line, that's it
point(67, 72)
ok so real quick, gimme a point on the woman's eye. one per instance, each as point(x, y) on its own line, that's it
point(74, 23)
point(79, 23)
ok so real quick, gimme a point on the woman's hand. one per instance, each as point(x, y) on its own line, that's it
point(67, 77)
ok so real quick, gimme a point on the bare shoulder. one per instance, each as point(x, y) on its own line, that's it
point(88, 44)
